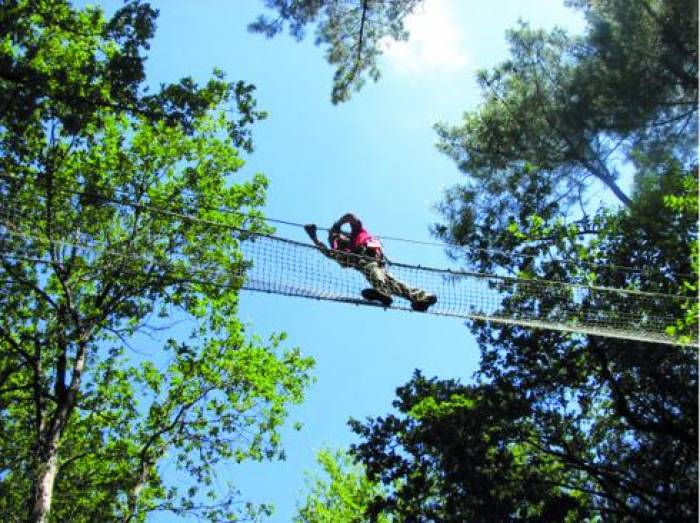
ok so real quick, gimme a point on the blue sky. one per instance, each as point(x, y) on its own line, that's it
point(374, 156)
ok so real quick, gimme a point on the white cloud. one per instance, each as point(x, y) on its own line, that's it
point(435, 44)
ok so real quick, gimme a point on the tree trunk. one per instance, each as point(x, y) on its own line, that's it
point(47, 455)
point(46, 470)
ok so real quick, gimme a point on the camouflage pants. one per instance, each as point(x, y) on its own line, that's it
point(382, 281)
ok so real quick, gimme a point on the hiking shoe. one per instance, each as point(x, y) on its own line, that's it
point(375, 295)
point(424, 302)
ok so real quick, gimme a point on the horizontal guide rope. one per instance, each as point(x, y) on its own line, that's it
point(186, 216)
point(283, 266)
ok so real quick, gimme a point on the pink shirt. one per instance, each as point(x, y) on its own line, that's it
point(365, 239)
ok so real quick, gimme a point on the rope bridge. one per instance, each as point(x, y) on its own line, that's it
point(284, 266)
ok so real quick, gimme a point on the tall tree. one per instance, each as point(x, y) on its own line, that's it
point(351, 30)
point(575, 107)
point(463, 453)
point(119, 217)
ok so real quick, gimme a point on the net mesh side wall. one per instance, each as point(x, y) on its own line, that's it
point(286, 267)
point(283, 266)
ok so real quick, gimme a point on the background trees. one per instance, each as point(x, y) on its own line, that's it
point(579, 109)
point(343, 493)
point(457, 453)
point(112, 229)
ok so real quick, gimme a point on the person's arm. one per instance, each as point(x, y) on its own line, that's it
point(311, 231)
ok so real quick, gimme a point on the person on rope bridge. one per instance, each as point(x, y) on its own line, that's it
point(362, 251)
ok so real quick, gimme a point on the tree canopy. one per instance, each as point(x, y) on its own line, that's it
point(576, 107)
point(353, 32)
point(343, 494)
point(121, 217)
point(464, 453)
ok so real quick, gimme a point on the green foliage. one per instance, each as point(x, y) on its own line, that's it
point(352, 31)
point(429, 407)
point(645, 54)
point(574, 107)
point(97, 254)
point(473, 458)
point(342, 495)
point(685, 206)
point(73, 66)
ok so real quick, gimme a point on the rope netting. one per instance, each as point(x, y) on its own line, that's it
point(283, 266)
point(287, 267)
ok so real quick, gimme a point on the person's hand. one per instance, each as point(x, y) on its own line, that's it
point(310, 229)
